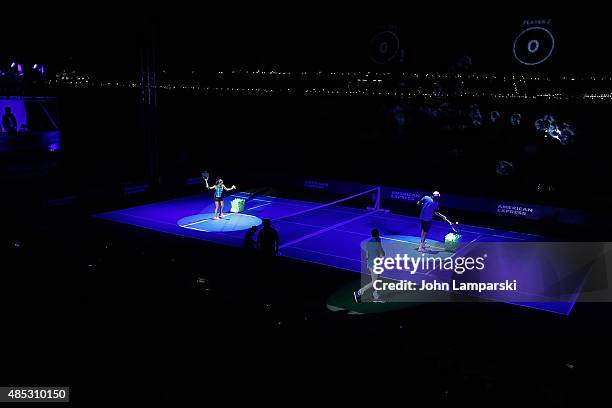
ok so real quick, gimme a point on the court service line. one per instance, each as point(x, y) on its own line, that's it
point(253, 199)
point(327, 204)
point(257, 206)
point(193, 229)
point(295, 241)
point(209, 219)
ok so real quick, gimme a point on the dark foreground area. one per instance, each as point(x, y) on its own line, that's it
point(119, 313)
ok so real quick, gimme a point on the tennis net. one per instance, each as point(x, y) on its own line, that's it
point(319, 218)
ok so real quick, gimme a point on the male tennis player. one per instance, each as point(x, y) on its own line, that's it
point(219, 188)
point(374, 249)
point(430, 206)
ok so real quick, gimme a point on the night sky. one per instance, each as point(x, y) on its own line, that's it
point(107, 41)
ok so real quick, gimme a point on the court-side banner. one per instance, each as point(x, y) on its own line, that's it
point(482, 205)
point(331, 186)
point(393, 197)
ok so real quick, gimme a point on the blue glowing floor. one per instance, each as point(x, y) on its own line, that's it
point(338, 246)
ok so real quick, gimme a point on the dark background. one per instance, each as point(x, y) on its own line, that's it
point(352, 138)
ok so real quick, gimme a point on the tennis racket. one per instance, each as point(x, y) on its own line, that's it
point(453, 225)
point(205, 175)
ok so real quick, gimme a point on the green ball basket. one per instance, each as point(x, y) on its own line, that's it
point(237, 205)
point(451, 241)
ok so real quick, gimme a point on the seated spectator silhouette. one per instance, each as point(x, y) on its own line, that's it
point(249, 239)
point(268, 239)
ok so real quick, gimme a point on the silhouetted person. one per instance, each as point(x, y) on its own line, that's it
point(373, 250)
point(267, 239)
point(249, 239)
point(9, 123)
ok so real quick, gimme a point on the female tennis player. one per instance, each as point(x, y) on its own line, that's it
point(219, 188)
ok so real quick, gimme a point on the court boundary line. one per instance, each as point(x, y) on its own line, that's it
point(341, 257)
point(295, 241)
point(104, 217)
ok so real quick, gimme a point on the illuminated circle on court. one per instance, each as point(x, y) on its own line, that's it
point(384, 46)
point(533, 46)
point(230, 222)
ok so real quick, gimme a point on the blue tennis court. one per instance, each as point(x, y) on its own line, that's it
point(330, 235)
